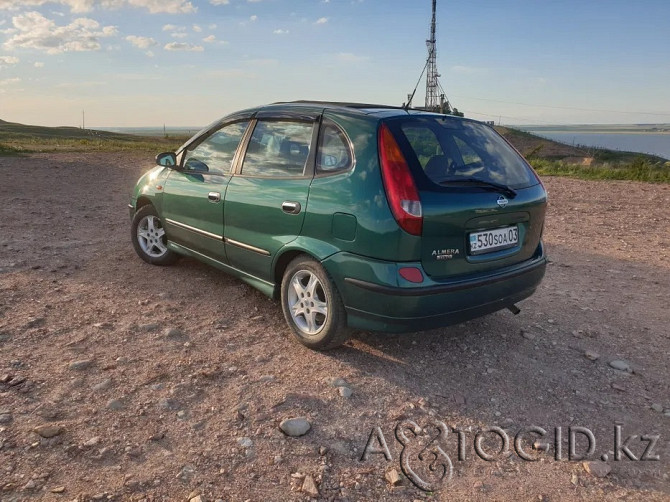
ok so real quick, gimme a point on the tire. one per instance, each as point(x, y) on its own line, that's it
point(312, 306)
point(149, 238)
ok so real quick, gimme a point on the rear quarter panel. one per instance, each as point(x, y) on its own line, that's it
point(359, 192)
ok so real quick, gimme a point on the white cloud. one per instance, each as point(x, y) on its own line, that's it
point(149, 54)
point(38, 64)
point(253, 18)
point(210, 39)
point(8, 60)
point(169, 27)
point(212, 26)
point(141, 42)
point(321, 20)
point(77, 6)
point(179, 34)
point(219, 2)
point(197, 28)
point(253, 1)
point(181, 46)
point(9, 81)
point(34, 31)
point(281, 32)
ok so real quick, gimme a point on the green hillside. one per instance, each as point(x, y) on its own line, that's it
point(21, 138)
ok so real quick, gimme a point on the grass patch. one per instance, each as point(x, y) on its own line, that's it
point(13, 146)
point(16, 139)
point(639, 169)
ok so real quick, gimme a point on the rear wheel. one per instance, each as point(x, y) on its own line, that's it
point(149, 238)
point(312, 306)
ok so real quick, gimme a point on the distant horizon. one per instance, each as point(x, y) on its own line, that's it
point(199, 127)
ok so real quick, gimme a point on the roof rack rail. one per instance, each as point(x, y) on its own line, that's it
point(343, 104)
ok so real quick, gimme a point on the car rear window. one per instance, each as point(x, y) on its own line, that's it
point(447, 149)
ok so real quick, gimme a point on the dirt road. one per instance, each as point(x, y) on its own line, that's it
point(123, 381)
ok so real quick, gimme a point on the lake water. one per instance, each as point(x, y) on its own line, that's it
point(655, 144)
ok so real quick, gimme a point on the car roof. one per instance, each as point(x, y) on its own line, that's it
point(361, 108)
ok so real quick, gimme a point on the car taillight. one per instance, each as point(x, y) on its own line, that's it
point(400, 188)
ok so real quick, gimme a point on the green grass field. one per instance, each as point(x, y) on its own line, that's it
point(18, 138)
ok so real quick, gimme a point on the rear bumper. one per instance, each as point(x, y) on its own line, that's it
point(375, 301)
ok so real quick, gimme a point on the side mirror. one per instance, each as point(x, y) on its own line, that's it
point(167, 159)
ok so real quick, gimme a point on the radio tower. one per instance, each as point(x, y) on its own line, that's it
point(432, 82)
point(436, 99)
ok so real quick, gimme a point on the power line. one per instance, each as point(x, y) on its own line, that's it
point(566, 107)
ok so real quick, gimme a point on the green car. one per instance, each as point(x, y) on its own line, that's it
point(355, 216)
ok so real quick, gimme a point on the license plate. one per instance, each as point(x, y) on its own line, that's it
point(493, 240)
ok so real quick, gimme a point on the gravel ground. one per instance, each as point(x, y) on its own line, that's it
point(123, 381)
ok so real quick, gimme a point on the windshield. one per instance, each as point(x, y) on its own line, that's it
point(452, 150)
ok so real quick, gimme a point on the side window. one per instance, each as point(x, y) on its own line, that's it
point(334, 152)
point(469, 156)
point(278, 148)
point(425, 145)
point(215, 154)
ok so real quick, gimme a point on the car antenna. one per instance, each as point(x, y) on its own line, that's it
point(411, 96)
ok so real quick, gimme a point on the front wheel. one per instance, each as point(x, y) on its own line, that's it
point(149, 238)
point(312, 306)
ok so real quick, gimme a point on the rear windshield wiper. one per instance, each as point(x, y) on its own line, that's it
point(499, 187)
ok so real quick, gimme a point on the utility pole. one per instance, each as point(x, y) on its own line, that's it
point(83, 121)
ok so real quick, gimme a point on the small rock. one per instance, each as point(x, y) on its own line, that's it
point(114, 405)
point(149, 327)
point(34, 322)
point(104, 385)
point(30, 485)
point(616, 386)
point(58, 489)
point(187, 472)
point(657, 407)
point(245, 442)
point(4, 337)
point(597, 469)
point(169, 404)
point(309, 487)
point(338, 382)
point(48, 431)
point(393, 477)
point(591, 355)
point(295, 427)
point(197, 498)
point(5, 418)
point(174, 334)
point(94, 441)
point(620, 365)
point(16, 381)
point(80, 365)
point(267, 378)
point(345, 392)
point(527, 335)
point(323, 450)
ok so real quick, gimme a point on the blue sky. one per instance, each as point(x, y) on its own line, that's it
point(188, 62)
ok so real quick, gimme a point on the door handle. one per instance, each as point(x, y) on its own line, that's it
point(214, 196)
point(290, 207)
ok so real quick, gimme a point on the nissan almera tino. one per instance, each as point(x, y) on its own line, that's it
point(353, 216)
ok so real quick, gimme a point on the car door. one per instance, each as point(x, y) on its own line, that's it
point(267, 197)
point(193, 207)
